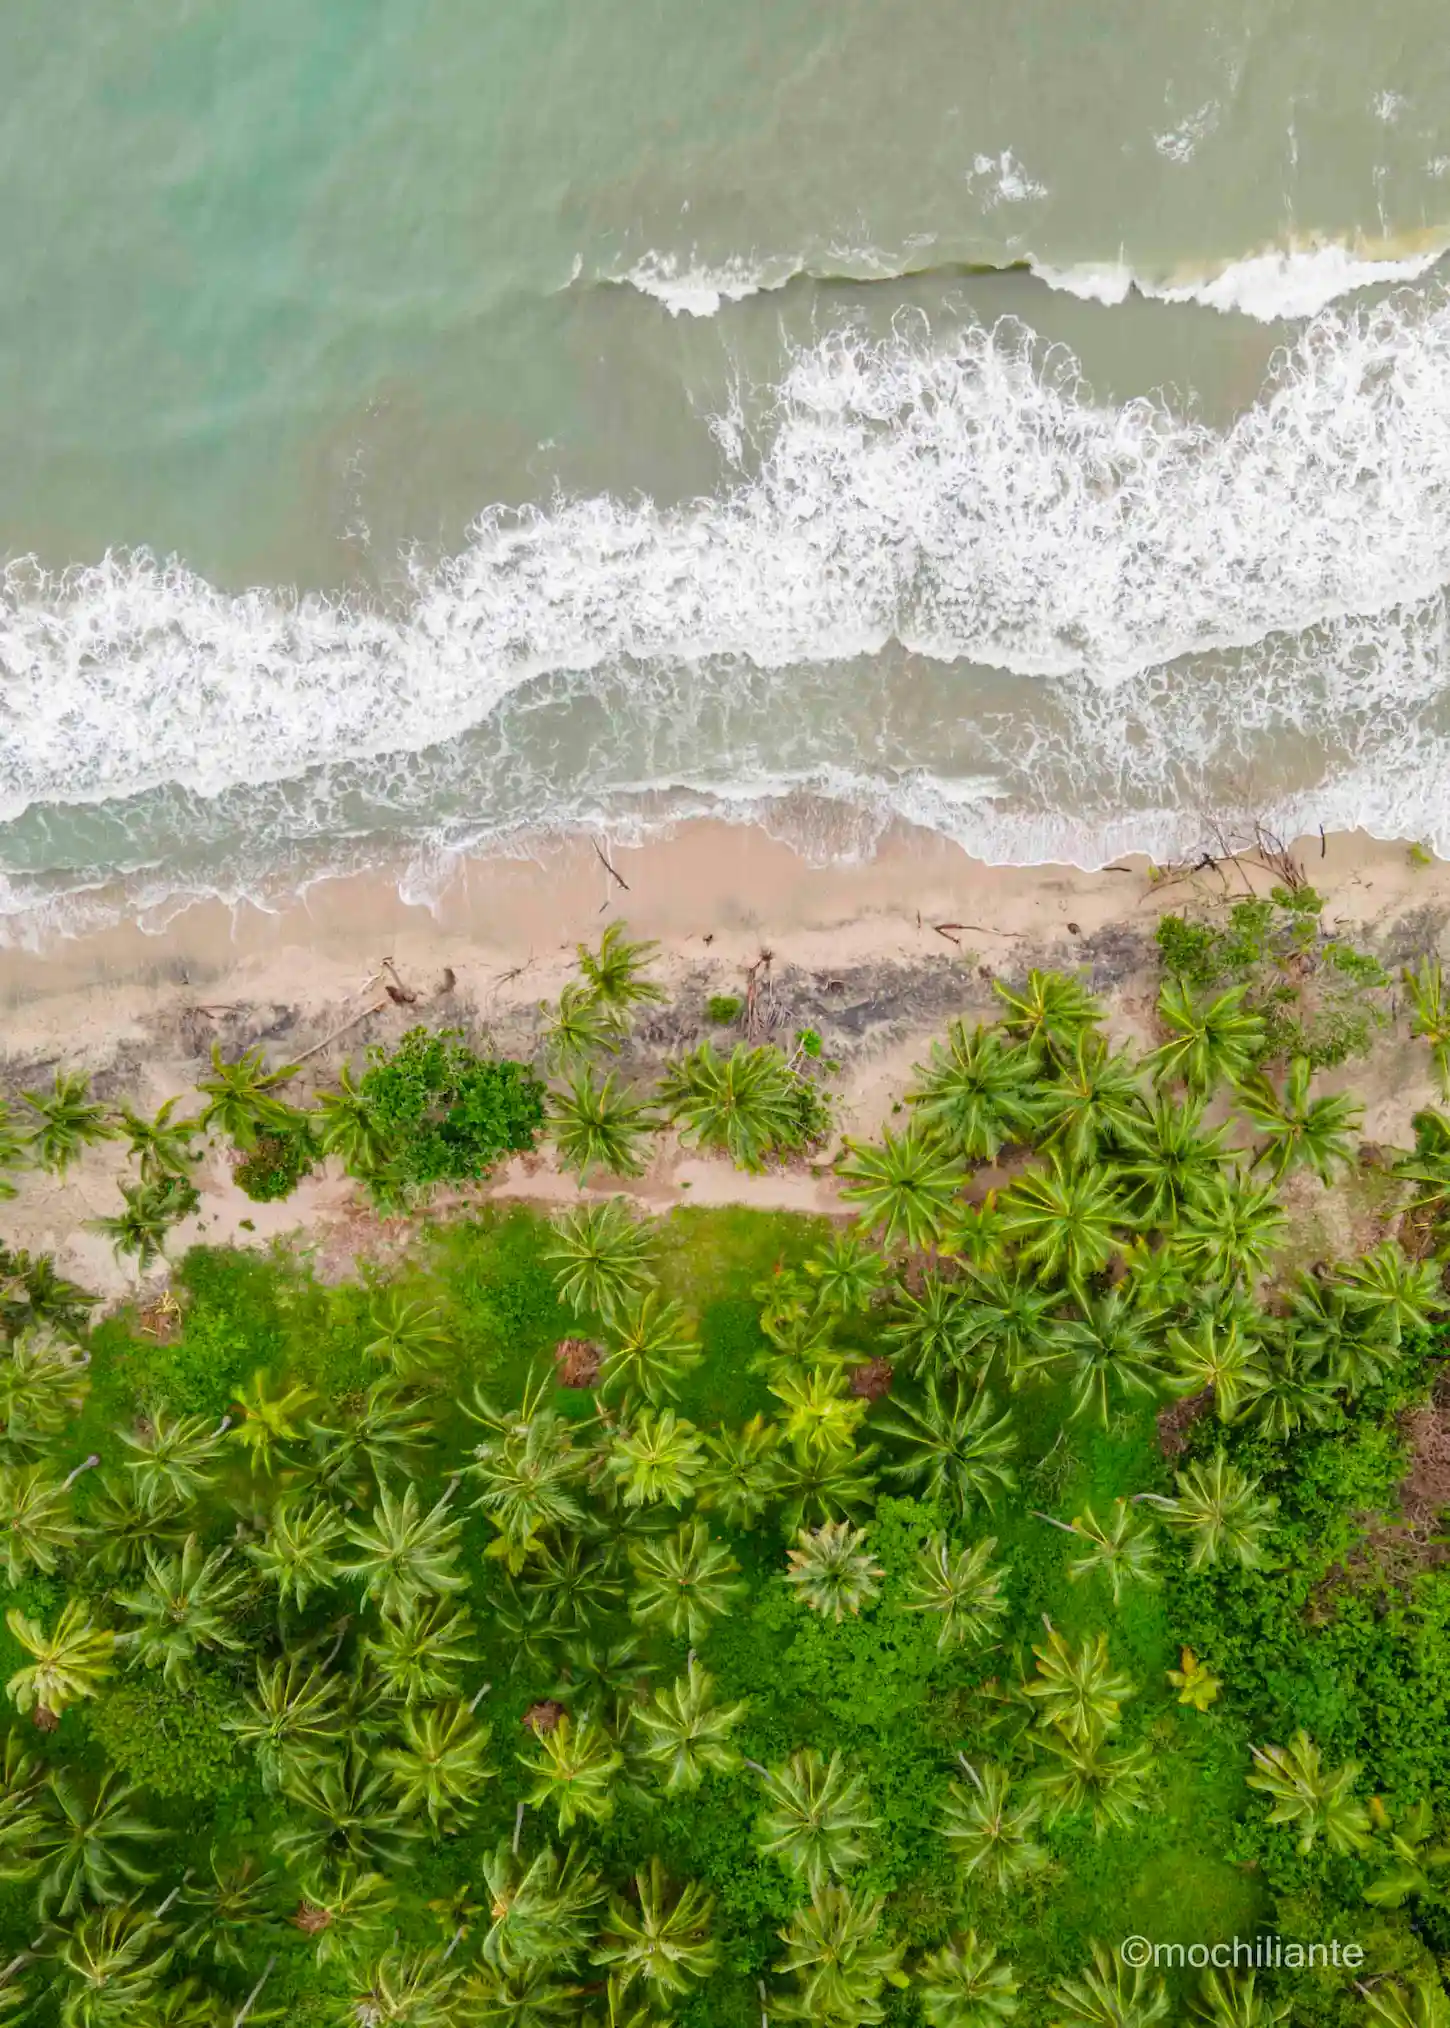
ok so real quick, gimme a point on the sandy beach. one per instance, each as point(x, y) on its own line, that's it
point(877, 956)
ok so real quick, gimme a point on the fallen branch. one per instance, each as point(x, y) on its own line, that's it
point(949, 931)
point(613, 873)
point(376, 1008)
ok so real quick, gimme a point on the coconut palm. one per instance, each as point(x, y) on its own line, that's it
point(662, 1937)
point(347, 1126)
point(1170, 1160)
point(1317, 1801)
point(905, 1188)
point(382, 1434)
point(124, 1524)
point(599, 1125)
point(832, 1571)
point(140, 1231)
point(1234, 2000)
point(1088, 1775)
point(1221, 1512)
point(111, 1960)
point(1211, 1354)
point(37, 1527)
point(1050, 1013)
point(926, 1328)
point(66, 1665)
point(69, 1122)
point(441, 1764)
point(579, 1026)
point(1108, 1995)
point(601, 1257)
point(1122, 1547)
point(653, 1349)
point(1063, 1220)
point(822, 1485)
point(963, 1986)
point(962, 1586)
point(268, 1424)
point(1419, 2004)
point(342, 1909)
point(822, 1414)
point(534, 1998)
point(404, 1554)
point(1428, 1163)
point(1209, 1042)
point(686, 1732)
point(1093, 1102)
point(815, 1817)
point(21, 1776)
point(226, 1910)
point(1110, 1351)
point(1003, 1321)
point(529, 1471)
point(410, 1334)
point(240, 1102)
point(573, 1763)
point(744, 1105)
point(847, 1274)
point(613, 973)
point(1297, 1128)
point(174, 1456)
point(291, 1718)
point(13, 1146)
point(740, 1474)
point(404, 1989)
point(186, 1602)
point(1076, 1687)
point(1430, 1013)
point(1395, 1293)
point(43, 1382)
point(988, 1829)
point(1332, 1328)
point(422, 1653)
point(161, 1146)
point(349, 1814)
point(542, 1909)
point(837, 1949)
point(1230, 1237)
point(1293, 1390)
point(87, 1842)
point(655, 1458)
point(953, 1446)
point(974, 1235)
point(33, 1297)
point(683, 1581)
point(576, 1582)
point(977, 1092)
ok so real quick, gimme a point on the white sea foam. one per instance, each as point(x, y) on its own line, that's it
point(1180, 143)
point(1270, 286)
point(691, 287)
point(1001, 179)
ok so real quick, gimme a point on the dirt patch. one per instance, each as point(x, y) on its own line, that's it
point(544, 1716)
point(577, 1362)
point(871, 1381)
point(1175, 1421)
point(1425, 1489)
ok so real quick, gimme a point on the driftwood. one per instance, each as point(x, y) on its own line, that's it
point(376, 1008)
point(613, 872)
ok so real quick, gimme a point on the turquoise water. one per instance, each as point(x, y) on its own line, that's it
point(426, 425)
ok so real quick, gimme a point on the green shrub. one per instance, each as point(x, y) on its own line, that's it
point(275, 1167)
point(171, 1741)
point(446, 1113)
point(723, 1008)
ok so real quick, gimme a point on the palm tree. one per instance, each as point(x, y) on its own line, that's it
point(952, 1449)
point(70, 1121)
point(576, 1581)
point(1297, 1128)
point(174, 1455)
point(1230, 1238)
point(33, 1297)
point(533, 1998)
point(67, 1665)
point(683, 1581)
point(424, 1652)
point(1106, 1995)
point(232, 1904)
point(347, 1127)
point(1089, 1775)
point(542, 1909)
point(905, 1188)
point(404, 1989)
point(1217, 1355)
point(1063, 1220)
point(815, 1817)
point(350, 1814)
point(13, 1145)
point(1110, 1352)
point(613, 973)
point(404, 1555)
point(686, 1732)
point(441, 1765)
point(1122, 1547)
point(744, 1105)
point(1428, 1163)
point(1050, 1013)
point(239, 1098)
point(655, 1458)
point(1395, 1293)
point(1331, 1327)
point(1003, 1321)
point(36, 1525)
point(1222, 1513)
point(837, 1949)
point(1420, 2004)
point(1292, 1390)
point(1209, 1042)
point(832, 1571)
point(989, 1832)
point(847, 1273)
point(653, 1351)
point(160, 1147)
point(740, 1475)
point(124, 1524)
point(530, 1472)
point(664, 1941)
point(599, 1125)
point(380, 1436)
point(1171, 1161)
point(962, 1586)
point(574, 1764)
point(1076, 1688)
point(1093, 1102)
point(822, 1485)
point(603, 1257)
point(1316, 1800)
point(411, 1335)
point(141, 1229)
point(342, 1908)
point(579, 1026)
point(963, 1986)
point(112, 1960)
point(293, 1717)
point(269, 1423)
point(1233, 2000)
point(926, 1329)
point(978, 1092)
point(86, 1842)
point(186, 1602)
point(822, 1415)
point(1430, 1015)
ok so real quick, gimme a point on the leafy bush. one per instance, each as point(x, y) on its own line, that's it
point(173, 1742)
point(275, 1166)
point(446, 1113)
point(723, 1008)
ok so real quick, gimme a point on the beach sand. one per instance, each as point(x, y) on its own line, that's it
point(876, 955)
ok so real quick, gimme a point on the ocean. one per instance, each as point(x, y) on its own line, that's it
point(428, 427)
